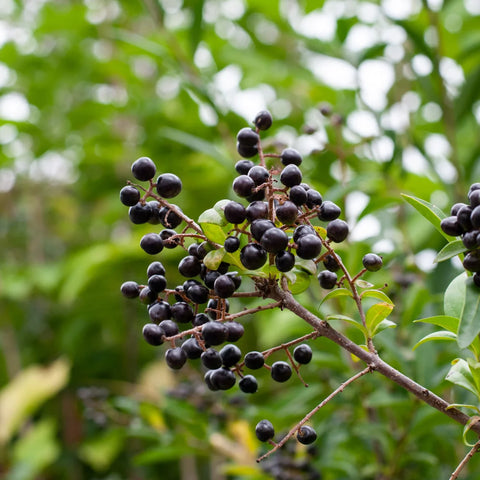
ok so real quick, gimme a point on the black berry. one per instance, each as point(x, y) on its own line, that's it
point(159, 311)
point(274, 240)
point(243, 166)
point(291, 176)
point(189, 266)
point(235, 331)
point(130, 289)
point(230, 355)
point(235, 212)
point(224, 286)
point(139, 213)
point(248, 384)
point(291, 156)
point(143, 169)
point(246, 151)
point(281, 371)
point(259, 227)
point(263, 120)
point(306, 435)
point(168, 185)
point(175, 358)
point(253, 256)
point(168, 218)
point(254, 360)
point(223, 378)
point(298, 195)
point(243, 186)
point(258, 174)
point(309, 246)
point(169, 327)
point(264, 430)
point(211, 358)
point(329, 211)
point(129, 196)
point(231, 244)
point(214, 333)
point(192, 348)
point(302, 354)
point(372, 262)
point(182, 312)
point(153, 334)
point(257, 210)
point(337, 230)
point(284, 261)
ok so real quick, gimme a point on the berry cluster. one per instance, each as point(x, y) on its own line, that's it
point(464, 221)
point(269, 237)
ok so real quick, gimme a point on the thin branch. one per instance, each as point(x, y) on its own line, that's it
point(372, 359)
point(248, 311)
point(310, 414)
point(464, 462)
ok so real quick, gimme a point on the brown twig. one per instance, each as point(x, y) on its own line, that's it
point(465, 460)
point(310, 414)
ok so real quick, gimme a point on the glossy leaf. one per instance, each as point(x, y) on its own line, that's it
point(469, 326)
point(383, 325)
point(443, 321)
point(429, 211)
point(212, 216)
point(460, 374)
point(214, 258)
point(443, 335)
point(349, 320)
point(376, 314)
point(454, 299)
point(450, 250)
point(338, 292)
point(379, 294)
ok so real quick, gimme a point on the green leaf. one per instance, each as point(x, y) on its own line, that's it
point(443, 335)
point(375, 314)
point(212, 216)
point(301, 282)
point(473, 420)
point(463, 405)
point(383, 325)
point(376, 294)
point(214, 258)
point(451, 249)
point(469, 94)
point(444, 321)
point(100, 451)
point(460, 375)
point(338, 292)
point(363, 284)
point(349, 320)
point(454, 299)
point(27, 391)
point(308, 266)
point(432, 213)
point(219, 207)
point(469, 326)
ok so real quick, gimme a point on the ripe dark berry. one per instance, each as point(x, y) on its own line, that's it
point(253, 256)
point(474, 198)
point(291, 156)
point(475, 215)
point(246, 151)
point(189, 266)
point(471, 262)
point(463, 217)
point(153, 334)
point(284, 261)
point(258, 174)
point(231, 244)
point(159, 311)
point(327, 279)
point(166, 236)
point(257, 210)
point(208, 381)
point(298, 195)
point(450, 226)
point(243, 166)
point(243, 186)
point(143, 169)
point(169, 327)
point(168, 185)
point(313, 198)
point(274, 240)
point(235, 331)
point(139, 213)
point(224, 286)
point(247, 136)
point(223, 378)
point(329, 211)
point(309, 246)
point(147, 296)
point(469, 239)
point(230, 355)
point(455, 208)
point(168, 218)
point(291, 176)
point(254, 360)
point(473, 187)
point(212, 305)
point(182, 312)
point(259, 227)
point(235, 212)
point(302, 230)
point(302, 354)
point(476, 279)
point(330, 263)
point(248, 384)
point(306, 435)
point(337, 230)
point(130, 289)
point(157, 283)
point(129, 196)
point(151, 243)
point(263, 120)
point(155, 268)
point(200, 319)
point(198, 294)
point(175, 358)
point(214, 333)
point(372, 262)
point(264, 430)
point(211, 358)
point(210, 278)
point(192, 348)
point(287, 213)
point(281, 371)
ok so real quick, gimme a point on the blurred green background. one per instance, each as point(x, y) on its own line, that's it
point(86, 87)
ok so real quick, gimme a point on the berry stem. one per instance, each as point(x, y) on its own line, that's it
point(465, 460)
point(310, 414)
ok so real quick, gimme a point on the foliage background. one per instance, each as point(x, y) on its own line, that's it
point(86, 87)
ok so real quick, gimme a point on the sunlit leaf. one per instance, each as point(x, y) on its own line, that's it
point(450, 250)
point(212, 216)
point(460, 374)
point(454, 299)
point(338, 292)
point(469, 326)
point(443, 321)
point(376, 314)
point(379, 294)
point(443, 335)
point(349, 320)
point(383, 325)
point(363, 283)
point(214, 258)
point(432, 213)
